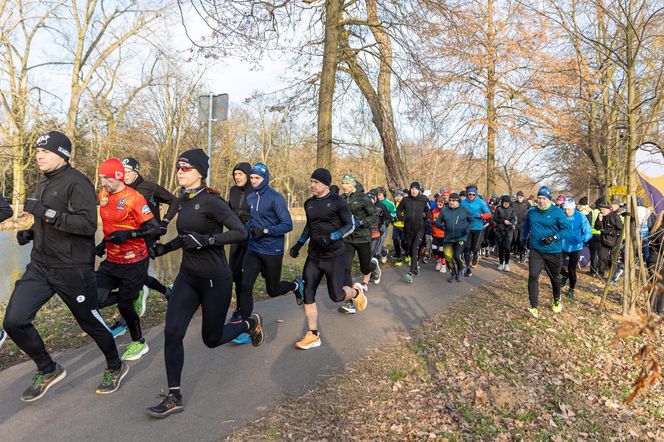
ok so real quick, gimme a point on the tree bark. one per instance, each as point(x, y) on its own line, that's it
point(491, 104)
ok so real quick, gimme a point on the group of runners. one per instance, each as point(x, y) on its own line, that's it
point(454, 229)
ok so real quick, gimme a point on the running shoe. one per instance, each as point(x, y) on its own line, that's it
point(360, 300)
point(347, 307)
point(409, 277)
point(407, 259)
point(171, 404)
point(501, 266)
point(474, 261)
point(376, 273)
point(383, 259)
point(3, 337)
point(443, 269)
point(506, 268)
point(563, 281)
point(398, 263)
point(141, 303)
point(459, 276)
point(534, 312)
point(468, 272)
point(111, 379)
point(425, 260)
point(299, 291)
point(438, 266)
point(570, 293)
point(310, 340)
point(256, 332)
point(417, 271)
point(243, 338)
point(118, 329)
point(135, 351)
point(364, 287)
point(557, 306)
point(451, 278)
point(395, 257)
point(236, 317)
point(169, 291)
point(42, 382)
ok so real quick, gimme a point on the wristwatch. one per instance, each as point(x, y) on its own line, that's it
point(50, 214)
point(211, 240)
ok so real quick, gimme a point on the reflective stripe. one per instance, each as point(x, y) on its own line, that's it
point(96, 314)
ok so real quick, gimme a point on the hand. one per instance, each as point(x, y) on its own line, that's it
point(257, 232)
point(24, 236)
point(549, 239)
point(120, 236)
point(160, 250)
point(100, 250)
point(193, 240)
point(321, 242)
point(163, 228)
point(295, 250)
point(358, 222)
point(508, 222)
point(38, 210)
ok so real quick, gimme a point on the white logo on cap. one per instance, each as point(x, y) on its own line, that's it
point(41, 141)
point(80, 299)
point(64, 151)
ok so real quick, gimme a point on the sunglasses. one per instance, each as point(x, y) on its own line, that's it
point(185, 167)
point(471, 194)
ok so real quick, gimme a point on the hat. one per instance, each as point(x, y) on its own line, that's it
point(604, 204)
point(545, 192)
point(243, 167)
point(560, 198)
point(505, 199)
point(322, 175)
point(462, 193)
point(519, 193)
point(427, 192)
point(198, 159)
point(455, 196)
point(398, 193)
point(132, 163)
point(598, 200)
point(260, 169)
point(471, 189)
point(569, 203)
point(415, 185)
point(55, 142)
point(349, 178)
point(112, 168)
point(447, 192)
point(583, 201)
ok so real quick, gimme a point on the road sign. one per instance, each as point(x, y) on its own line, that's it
point(617, 190)
point(219, 108)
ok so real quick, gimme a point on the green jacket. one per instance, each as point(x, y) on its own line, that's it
point(391, 208)
point(365, 215)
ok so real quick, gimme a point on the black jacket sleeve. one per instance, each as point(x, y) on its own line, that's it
point(81, 218)
point(224, 215)
point(6, 211)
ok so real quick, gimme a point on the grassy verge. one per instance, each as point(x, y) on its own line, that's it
point(483, 370)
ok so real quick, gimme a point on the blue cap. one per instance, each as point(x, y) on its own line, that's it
point(545, 192)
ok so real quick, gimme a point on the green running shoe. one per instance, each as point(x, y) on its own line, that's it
point(570, 294)
point(409, 277)
point(141, 303)
point(557, 306)
point(111, 379)
point(135, 350)
point(533, 311)
point(407, 259)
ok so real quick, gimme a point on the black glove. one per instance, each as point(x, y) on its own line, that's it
point(38, 210)
point(549, 239)
point(100, 250)
point(193, 240)
point(257, 232)
point(163, 228)
point(295, 250)
point(24, 236)
point(321, 242)
point(120, 236)
point(160, 250)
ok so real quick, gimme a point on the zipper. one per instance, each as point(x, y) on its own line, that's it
point(258, 203)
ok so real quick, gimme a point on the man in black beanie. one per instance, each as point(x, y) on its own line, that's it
point(521, 207)
point(413, 211)
point(62, 262)
point(198, 159)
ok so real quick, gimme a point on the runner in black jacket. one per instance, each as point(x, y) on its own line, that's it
point(204, 279)
point(505, 219)
point(237, 200)
point(413, 210)
point(62, 261)
point(6, 212)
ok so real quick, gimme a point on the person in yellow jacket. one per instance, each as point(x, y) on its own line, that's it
point(398, 235)
point(593, 244)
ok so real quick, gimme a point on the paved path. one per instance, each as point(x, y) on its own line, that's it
point(226, 387)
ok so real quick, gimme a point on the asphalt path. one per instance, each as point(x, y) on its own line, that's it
point(226, 387)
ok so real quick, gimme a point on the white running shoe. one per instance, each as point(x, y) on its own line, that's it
point(443, 268)
point(438, 266)
point(506, 268)
point(501, 266)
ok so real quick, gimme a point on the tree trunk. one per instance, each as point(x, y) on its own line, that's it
point(333, 15)
point(490, 104)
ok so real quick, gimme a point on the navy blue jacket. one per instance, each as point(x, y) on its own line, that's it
point(455, 222)
point(268, 210)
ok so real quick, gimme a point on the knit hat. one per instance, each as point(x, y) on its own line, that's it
point(455, 196)
point(415, 185)
point(471, 189)
point(55, 142)
point(569, 204)
point(462, 193)
point(198, 159)
point(350, 179)
point(560, 198)
point(545, 192)
point(260, 169)
point(505, 199)
point(322, 175)
point(583, 201)
point(447, 192)
point(604, 204)
point(132, 163)
point(112, 168)
point(598, 200)
point(519, 193)
point(243, 167)
point(398, 193)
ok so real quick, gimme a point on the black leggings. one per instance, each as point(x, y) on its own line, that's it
point(398, 239)
point(472, 246)
point(570, 271)
point(214, 298)
point(363, 254)
point(504, 242)
point(437, 247)
point(77, 287)
point(453, 252)
point(333, 270)
point(270, 267)
point(414, 239)
point(551, 263)
point(235, 260)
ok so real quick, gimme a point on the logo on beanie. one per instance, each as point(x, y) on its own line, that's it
point(43, 140)
point(118, 175)
point(64, 152)
point(80, 299)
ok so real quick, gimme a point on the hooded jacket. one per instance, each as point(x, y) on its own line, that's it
point(479, 210)
point(412, 211)
point(500, 215)
point(6, 211)
point(455, 222)
point(237, 196)
point(610, 228)
point(365, 215)
point(581, 232)
point(521, 209)
point(268, 210)
point(540, 224)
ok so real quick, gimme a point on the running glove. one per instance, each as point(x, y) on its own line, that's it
point(193, 240)
point(100, 250)
point(257, 232)
point(163, 227)
point(38, 210)
point(160, 249)
point(120, 236)
point(295, 250)
point(549, 239)
point(24, 236)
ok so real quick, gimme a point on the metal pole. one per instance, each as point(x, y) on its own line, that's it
point(209, 150)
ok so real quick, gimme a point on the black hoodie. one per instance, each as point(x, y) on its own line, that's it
point(237, 196)
point(413, 210)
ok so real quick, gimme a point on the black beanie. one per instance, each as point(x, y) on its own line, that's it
point(56, 142)
point(415, 185)
point(132, 163)
point(243, 167)
point(505, 199)
point(322, 175)
point(462, 193)
point(198, 159)
point(583, 201)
